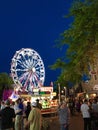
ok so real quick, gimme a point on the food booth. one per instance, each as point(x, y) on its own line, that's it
point(45, 96)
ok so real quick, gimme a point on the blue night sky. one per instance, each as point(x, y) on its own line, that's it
point(32, 24)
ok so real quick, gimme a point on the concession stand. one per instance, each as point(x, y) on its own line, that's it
point(45, 96)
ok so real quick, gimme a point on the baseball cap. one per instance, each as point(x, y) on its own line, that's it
point(33, 104)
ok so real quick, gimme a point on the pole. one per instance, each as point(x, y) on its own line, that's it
point(65, 92)
point(59, 93)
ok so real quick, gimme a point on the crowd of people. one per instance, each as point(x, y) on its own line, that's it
point(13, 113)
point(87, 108)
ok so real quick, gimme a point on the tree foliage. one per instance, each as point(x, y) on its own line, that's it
point(82, 41)
point(5, 82)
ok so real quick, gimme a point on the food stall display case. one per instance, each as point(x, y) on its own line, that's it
point(49, 108)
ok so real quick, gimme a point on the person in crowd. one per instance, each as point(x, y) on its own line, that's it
point(12, 104)
point(2, 105)
point(19, 114)
point(95, 106)
point(71, 105)
point(94, 110)
point(39, 105)
point(86, 115)
point(7, 117)
point(28, 109)
point(78, 105)
point(64, 116)
point(34, 119)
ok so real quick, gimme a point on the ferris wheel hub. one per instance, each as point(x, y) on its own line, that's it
point(33, 70)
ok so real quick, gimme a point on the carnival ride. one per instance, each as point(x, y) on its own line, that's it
point(27, 70)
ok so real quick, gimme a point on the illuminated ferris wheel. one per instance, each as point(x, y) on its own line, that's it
point(27, 69)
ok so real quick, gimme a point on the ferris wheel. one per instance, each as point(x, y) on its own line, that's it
point(27, 69)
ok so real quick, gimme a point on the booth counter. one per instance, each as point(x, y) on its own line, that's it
point(49, 112)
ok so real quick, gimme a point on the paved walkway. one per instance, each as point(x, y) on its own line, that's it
point(76, 123)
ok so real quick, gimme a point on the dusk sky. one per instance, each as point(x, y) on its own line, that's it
point(34, 24)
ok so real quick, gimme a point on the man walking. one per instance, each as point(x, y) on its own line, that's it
point(86, 115)
point(34, 119)
point(64, 116)
point(7, 117)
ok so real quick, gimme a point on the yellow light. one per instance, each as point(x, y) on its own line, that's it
point(94, 95)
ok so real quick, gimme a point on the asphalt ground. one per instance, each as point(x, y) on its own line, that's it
point(76, 123)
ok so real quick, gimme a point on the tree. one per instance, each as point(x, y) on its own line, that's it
point(82, 41)
point(5, 82)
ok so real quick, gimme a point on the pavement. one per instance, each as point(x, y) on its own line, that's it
point(76, 123)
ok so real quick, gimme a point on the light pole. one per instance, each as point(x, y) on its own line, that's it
point(65, 92)
point(59, 93)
